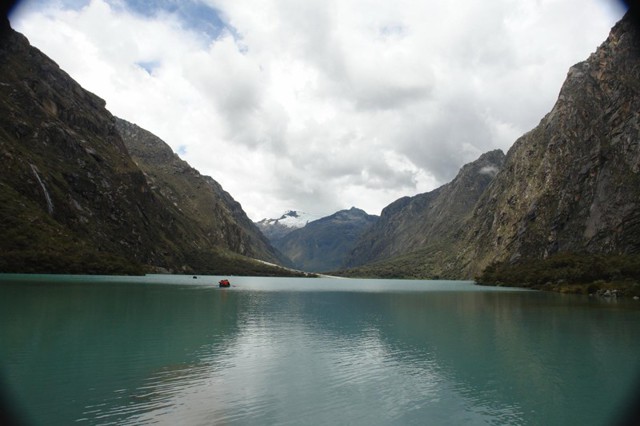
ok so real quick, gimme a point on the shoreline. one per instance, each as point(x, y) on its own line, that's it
point(604, 289)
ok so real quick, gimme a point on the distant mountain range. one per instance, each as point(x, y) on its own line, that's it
point(323, 244)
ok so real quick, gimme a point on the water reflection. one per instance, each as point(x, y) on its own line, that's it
point(67, 348)
point(140, 354)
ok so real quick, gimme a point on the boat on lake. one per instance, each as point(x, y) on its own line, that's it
point(224, 283)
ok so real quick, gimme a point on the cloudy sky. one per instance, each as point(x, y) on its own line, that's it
point(320, 105)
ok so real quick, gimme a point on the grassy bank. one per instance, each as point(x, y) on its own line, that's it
point(577, 273)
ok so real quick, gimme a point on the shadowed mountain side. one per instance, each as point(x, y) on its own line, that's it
point(71, 198)
point(220, 219)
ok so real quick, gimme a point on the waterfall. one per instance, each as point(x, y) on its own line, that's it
point(44, 189)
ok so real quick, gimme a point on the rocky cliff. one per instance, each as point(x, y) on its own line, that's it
point(572, 184)
point(71, 197)
point(323, 244)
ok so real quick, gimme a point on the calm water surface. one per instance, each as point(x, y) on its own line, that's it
point(176, 350)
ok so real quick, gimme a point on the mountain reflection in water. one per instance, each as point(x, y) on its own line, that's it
point(315, 351)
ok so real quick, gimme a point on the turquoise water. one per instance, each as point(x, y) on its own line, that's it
point(176, 350)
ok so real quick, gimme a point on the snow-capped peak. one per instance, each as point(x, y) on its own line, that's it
point(274, 229)
point(291, 219)
point(296, 219)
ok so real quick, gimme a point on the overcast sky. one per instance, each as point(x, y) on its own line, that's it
point(321, 105)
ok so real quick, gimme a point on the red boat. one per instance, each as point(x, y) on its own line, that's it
point(224, 283)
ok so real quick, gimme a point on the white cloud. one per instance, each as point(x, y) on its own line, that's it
point(489, 170)
point(320, 105)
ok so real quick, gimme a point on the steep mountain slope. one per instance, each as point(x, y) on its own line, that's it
point(323, 244)
point(430, 220)
point(572, 184)
point(71, 198)
point(275, 229)
point(218, 217)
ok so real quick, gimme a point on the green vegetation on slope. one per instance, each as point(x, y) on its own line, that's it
point(420, 264)
point(39, 244)
point(34, 242)
point(580, 273)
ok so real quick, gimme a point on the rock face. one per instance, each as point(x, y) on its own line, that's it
point(428, 221)
point(322, 245)
point(73, 200)
point(572, 184)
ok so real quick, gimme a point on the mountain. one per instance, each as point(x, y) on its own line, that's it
point(219, 219)
point(428, 223)
point(411, 223)
point(570, 185)
point(322, 245)
point(275, 229)
point(72, 199)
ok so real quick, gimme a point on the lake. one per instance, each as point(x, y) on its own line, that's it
point(175, 350)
